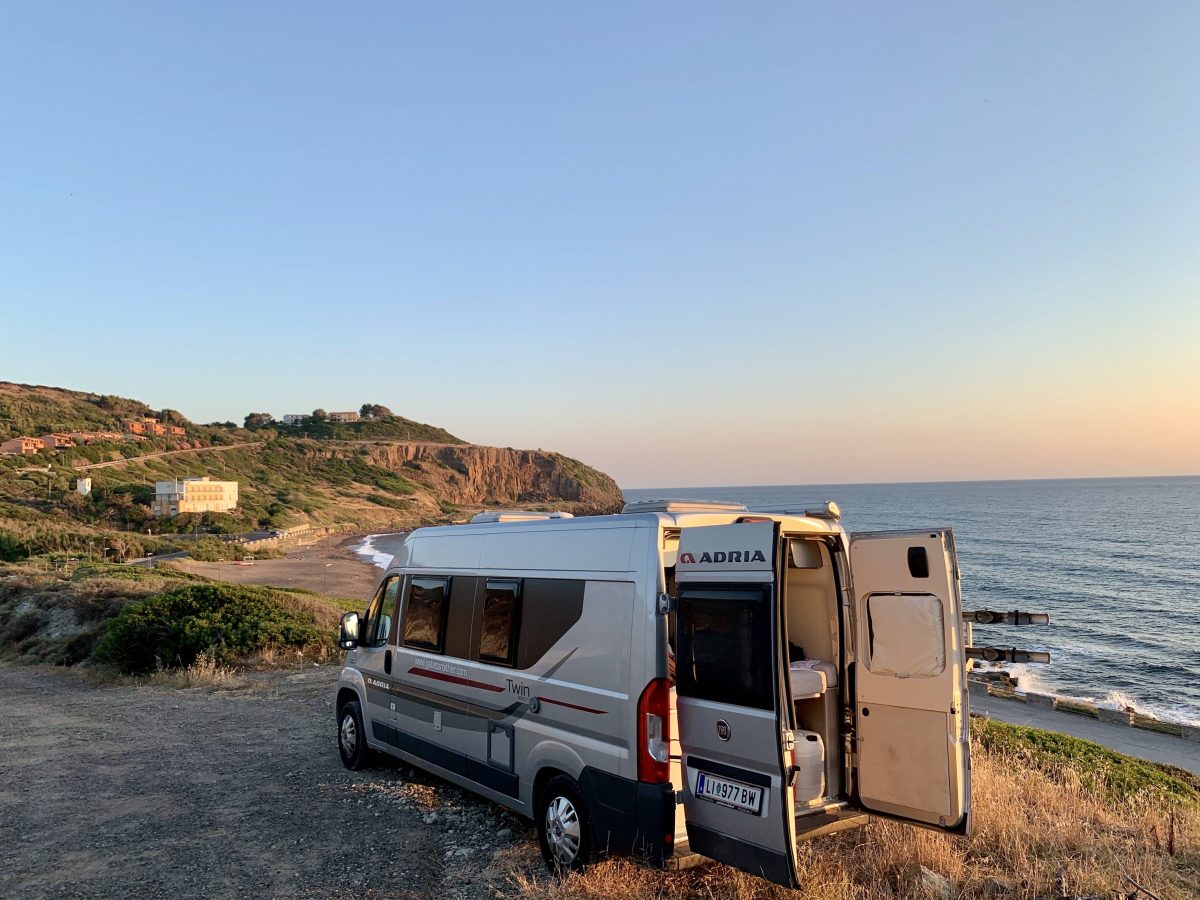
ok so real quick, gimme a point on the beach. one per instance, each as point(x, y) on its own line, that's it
point(329, 566)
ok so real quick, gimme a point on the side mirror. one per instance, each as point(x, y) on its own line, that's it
point(348, 631)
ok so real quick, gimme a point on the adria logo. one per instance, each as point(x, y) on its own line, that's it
point(722, 556)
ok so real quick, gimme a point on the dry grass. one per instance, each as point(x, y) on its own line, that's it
point(204, 672)
point(1028, 825)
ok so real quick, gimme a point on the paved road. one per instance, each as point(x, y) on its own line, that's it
point(1164, 748)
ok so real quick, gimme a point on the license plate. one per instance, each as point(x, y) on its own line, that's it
point(733, 794)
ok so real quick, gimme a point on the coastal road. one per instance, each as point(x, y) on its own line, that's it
point(215, 449)
point(1152, 745)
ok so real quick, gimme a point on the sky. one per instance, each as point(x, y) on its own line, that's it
point(688, 243)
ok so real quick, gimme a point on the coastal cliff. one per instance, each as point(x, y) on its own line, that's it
point(469, 474)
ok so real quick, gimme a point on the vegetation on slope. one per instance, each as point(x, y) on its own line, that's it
point(142, 620)
point(319, 472)
point(224, 622)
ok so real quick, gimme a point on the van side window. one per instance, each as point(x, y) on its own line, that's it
point(382, 625)
point(501, 622)
point(377, 621)
point(425, 614)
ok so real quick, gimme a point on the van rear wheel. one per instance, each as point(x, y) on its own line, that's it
point(564, 826)
point(352, 737)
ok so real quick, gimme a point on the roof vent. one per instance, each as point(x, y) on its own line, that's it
point(682, 506)
point(516, 515)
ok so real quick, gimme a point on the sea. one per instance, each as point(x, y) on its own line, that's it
point(1114, 561)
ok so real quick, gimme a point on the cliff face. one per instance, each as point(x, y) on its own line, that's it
point(468, 474)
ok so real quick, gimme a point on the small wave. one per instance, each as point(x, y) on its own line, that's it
point(377, 557)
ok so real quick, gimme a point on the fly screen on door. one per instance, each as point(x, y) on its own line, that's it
point(906, 635)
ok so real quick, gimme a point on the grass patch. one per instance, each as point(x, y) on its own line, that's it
point(1098, 768)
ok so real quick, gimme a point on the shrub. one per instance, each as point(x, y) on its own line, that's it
point(11, 548)
point(223, 621)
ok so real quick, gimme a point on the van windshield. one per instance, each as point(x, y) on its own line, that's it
point(724, 652)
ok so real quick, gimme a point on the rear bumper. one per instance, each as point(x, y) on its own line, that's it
point(630, 818)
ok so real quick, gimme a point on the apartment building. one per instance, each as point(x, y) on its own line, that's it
point(58, 441)
point(189, 495)
point(93, 437)
point(343, 417)
point(22, 446)
point(294, 418)
point(148, 425)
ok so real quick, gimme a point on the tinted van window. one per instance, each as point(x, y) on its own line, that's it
point(724, 651)
point(425, 614)
point(501, 621)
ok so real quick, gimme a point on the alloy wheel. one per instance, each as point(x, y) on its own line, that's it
point(562, 831)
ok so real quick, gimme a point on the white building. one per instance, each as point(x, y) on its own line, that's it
point(83, 485)
point(294, 418)
point(189, 495)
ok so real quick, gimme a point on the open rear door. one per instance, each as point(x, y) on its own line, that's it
point(733, 735)
point(912, 749)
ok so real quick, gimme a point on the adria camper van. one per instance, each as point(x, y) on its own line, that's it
point(680, 681)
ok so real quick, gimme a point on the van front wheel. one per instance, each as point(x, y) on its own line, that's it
point(352, 737)
point(564, 826)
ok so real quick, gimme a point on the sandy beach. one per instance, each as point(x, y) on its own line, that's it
point(329, 566)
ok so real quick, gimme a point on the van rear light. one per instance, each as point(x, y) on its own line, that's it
point(654, 732)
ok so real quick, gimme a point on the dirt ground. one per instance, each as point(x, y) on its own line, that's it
point(148, 791)
point(329, 566)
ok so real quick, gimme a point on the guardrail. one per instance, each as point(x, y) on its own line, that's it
point(1073, 706)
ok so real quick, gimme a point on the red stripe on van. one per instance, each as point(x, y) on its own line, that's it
point(453, 679)
point(586, 709)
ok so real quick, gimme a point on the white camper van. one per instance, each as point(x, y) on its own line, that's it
point(683, 680)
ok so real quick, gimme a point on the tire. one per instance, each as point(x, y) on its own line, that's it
point(352, 737)
point(564, 826)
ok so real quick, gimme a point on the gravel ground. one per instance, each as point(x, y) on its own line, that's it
point(149, 791)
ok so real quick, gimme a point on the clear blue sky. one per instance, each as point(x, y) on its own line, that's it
point(689, 243)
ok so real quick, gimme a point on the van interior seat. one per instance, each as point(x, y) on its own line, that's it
point(811, 677)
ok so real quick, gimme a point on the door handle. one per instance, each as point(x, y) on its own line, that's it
point(387, 662)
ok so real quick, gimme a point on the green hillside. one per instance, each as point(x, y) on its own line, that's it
point(379, 473)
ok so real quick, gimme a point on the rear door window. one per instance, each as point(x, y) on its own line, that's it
point(724, 653)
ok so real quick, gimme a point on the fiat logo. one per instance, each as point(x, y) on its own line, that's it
point(723, 729)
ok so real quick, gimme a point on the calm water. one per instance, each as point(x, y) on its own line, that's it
point(1115, 561)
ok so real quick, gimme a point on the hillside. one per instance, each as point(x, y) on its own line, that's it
point(382, 473)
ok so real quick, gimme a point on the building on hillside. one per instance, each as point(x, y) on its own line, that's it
point(294, 419)
point(193, 495)
point(58, 441)
point(83, 486)
point(175, 431)
point(149, 420)
point(22, 446)
point(129, 426)
point(343, 417)
point(150, 426)
point(93, 437)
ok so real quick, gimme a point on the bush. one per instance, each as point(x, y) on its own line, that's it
point(11, 548)
point(223, 621)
